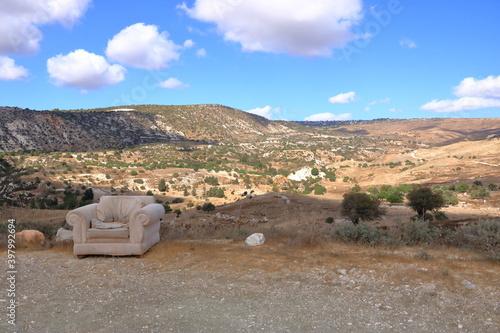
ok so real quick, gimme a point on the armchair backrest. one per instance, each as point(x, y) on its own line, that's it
point(121, 208)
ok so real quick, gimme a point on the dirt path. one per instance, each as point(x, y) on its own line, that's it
point(191, 287)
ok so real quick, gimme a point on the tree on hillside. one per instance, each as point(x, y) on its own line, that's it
point(88, 195)
point(361, 206)
point(423, 199)
point(162, 186)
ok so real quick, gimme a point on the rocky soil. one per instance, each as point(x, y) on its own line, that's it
point(228, 287)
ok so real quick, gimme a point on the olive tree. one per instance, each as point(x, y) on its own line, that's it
point(361, 206)
point(423, 199)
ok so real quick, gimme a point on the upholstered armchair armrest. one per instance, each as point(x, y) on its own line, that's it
point(152, 213)
point(146, 223)
point(80, 219)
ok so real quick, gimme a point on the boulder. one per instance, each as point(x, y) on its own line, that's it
point(29, 238)
point(64, 235)
point(255, 239)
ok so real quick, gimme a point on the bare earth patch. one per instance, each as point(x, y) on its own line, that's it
point(200, 287)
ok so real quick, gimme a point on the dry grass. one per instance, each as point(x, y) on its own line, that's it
point(447, 267)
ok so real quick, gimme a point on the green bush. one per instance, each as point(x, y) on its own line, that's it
point(177, 200)
point(483, 236)
point(319, 189)
point(330, 219)
point(212, 180)
point(440, 216)
point(413, 232)
point(208, 207)
point(360, 233)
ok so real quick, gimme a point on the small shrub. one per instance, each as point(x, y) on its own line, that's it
point(413, 232)
point(423, 255)
point(208, 207)
point(360, 233)
point(177, 200)
point(483, 236)
point(330, 220)
point(440, 216)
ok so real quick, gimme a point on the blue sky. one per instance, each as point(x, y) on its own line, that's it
point(283, 59)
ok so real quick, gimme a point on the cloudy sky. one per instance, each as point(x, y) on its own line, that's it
point(282, 59)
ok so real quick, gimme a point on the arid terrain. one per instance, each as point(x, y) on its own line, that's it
point(283, 179)
point(203, 287)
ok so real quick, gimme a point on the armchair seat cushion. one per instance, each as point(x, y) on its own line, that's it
point(122, 232)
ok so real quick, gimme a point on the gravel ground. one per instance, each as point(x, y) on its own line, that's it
point(232, 288)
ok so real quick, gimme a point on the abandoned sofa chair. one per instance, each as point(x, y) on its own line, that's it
point(117, 225)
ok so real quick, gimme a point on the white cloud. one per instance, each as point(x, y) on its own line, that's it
point(386, 100)
point(266, 112)
point(201, 53)
point(470, 87)
point(473, 94)
point(408, 43)
point(188, 43)
point(344, 98)
point(328, 116)
point(82, 69)
point(9, 71)
point(172, 83)
point(299, 27)
point(461, 104)
point(20, 21)
point(142, 46)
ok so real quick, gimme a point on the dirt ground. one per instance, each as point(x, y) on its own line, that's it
point(229, 287)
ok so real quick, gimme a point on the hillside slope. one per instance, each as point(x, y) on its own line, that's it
point(79, 131)
point(435, 132)
point(112, 128)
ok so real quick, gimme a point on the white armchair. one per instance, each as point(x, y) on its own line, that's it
point(138, 217)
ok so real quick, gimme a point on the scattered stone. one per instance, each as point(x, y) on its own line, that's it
point(342, 271)
point(469, 285)
point(255, 239)
point(29, 238)
point(285, 199)
point(64, 235)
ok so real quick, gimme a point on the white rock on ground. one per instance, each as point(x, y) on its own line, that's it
point(64, 235)
point(255, 239)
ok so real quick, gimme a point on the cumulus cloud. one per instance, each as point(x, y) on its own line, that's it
point(461, 104)
point(20, 21)
point(201, 53)
point(172, 83)
point(408, 43)
point(299, 27)
point(384, 100)
point(470, 87)
point(473, 94)
point(328, 116)
point(142, 46)
point(344, 98)
point(82, 69)
point(266, 112)
point(188, 43)
point(9, 71)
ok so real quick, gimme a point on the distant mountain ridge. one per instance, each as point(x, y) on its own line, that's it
point(117, 128)
point(129, 126)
